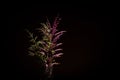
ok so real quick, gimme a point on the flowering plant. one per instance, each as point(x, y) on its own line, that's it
point(47, 49)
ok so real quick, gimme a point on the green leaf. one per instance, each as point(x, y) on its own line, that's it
point(39, 42)
point(32, 40)
point(31, 48)
point(36, 38)
point(45, 38)
point(53, 51)
point(44, 25)
point(33, 45)
point(38, 29)
point(31, 53)
point(30, 35)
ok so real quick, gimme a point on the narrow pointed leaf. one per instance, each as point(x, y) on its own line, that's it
point(36, 38)
point(48, 23)
point(31, 53)
point(58, 50)
point(57, 55)
point(59, 33)
point(43, 53)
point(55, 63)
point(58, 44)
point(56, 38)
point(31, 48)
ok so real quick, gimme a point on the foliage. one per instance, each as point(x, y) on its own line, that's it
point(47, 49)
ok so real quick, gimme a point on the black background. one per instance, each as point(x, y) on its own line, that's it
point(88, 44)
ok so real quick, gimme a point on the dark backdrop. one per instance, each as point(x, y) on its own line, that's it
point(88, 43)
